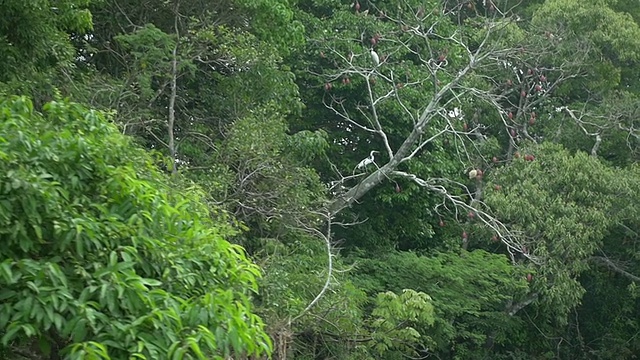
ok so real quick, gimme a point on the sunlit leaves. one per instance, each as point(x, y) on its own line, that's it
point(100, 250)
point(394, 318)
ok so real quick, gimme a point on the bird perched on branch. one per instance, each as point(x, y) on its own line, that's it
point(375, 57)
point(366, 161)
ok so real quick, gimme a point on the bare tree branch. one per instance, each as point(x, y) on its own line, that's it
point(512, 240)
point(613, 266)
point(327, 239)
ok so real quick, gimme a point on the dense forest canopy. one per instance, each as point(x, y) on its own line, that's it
point(325, 179)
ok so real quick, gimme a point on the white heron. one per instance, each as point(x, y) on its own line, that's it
point(375, 57)
point(473, 173)
point(366, 161)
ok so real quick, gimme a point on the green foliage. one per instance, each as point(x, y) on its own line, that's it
point(606, 316)
point(224, 72)
point(274, 22)
point(393, 320)
point(102, 258)
point(337, 55)
point(605, 39)
point(564, 205)
point(615, 33)
point(151, 54)
point(295, 268)
point(613, 118)
point(270, 188)
point(469, 292)
point(35, 44)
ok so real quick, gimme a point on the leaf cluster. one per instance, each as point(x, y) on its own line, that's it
point(102, 258)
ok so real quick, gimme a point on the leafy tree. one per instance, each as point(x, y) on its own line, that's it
point(574, 210)
point(35, 47)
point(296, 272)
point(270, 105)
point(465, 87)
point(103, 257)
point(198, 84)
point(394, 319)
point(435, 107)
point(179, 72)
point(472, 293)
point(565, 206)
point(601, 98)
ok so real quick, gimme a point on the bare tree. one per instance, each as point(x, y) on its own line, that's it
point(440, 114)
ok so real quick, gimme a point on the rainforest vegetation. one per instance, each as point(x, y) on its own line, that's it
point(321, 179)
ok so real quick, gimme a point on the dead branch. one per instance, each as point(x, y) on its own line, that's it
point(615, 267)
point(327, 239)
